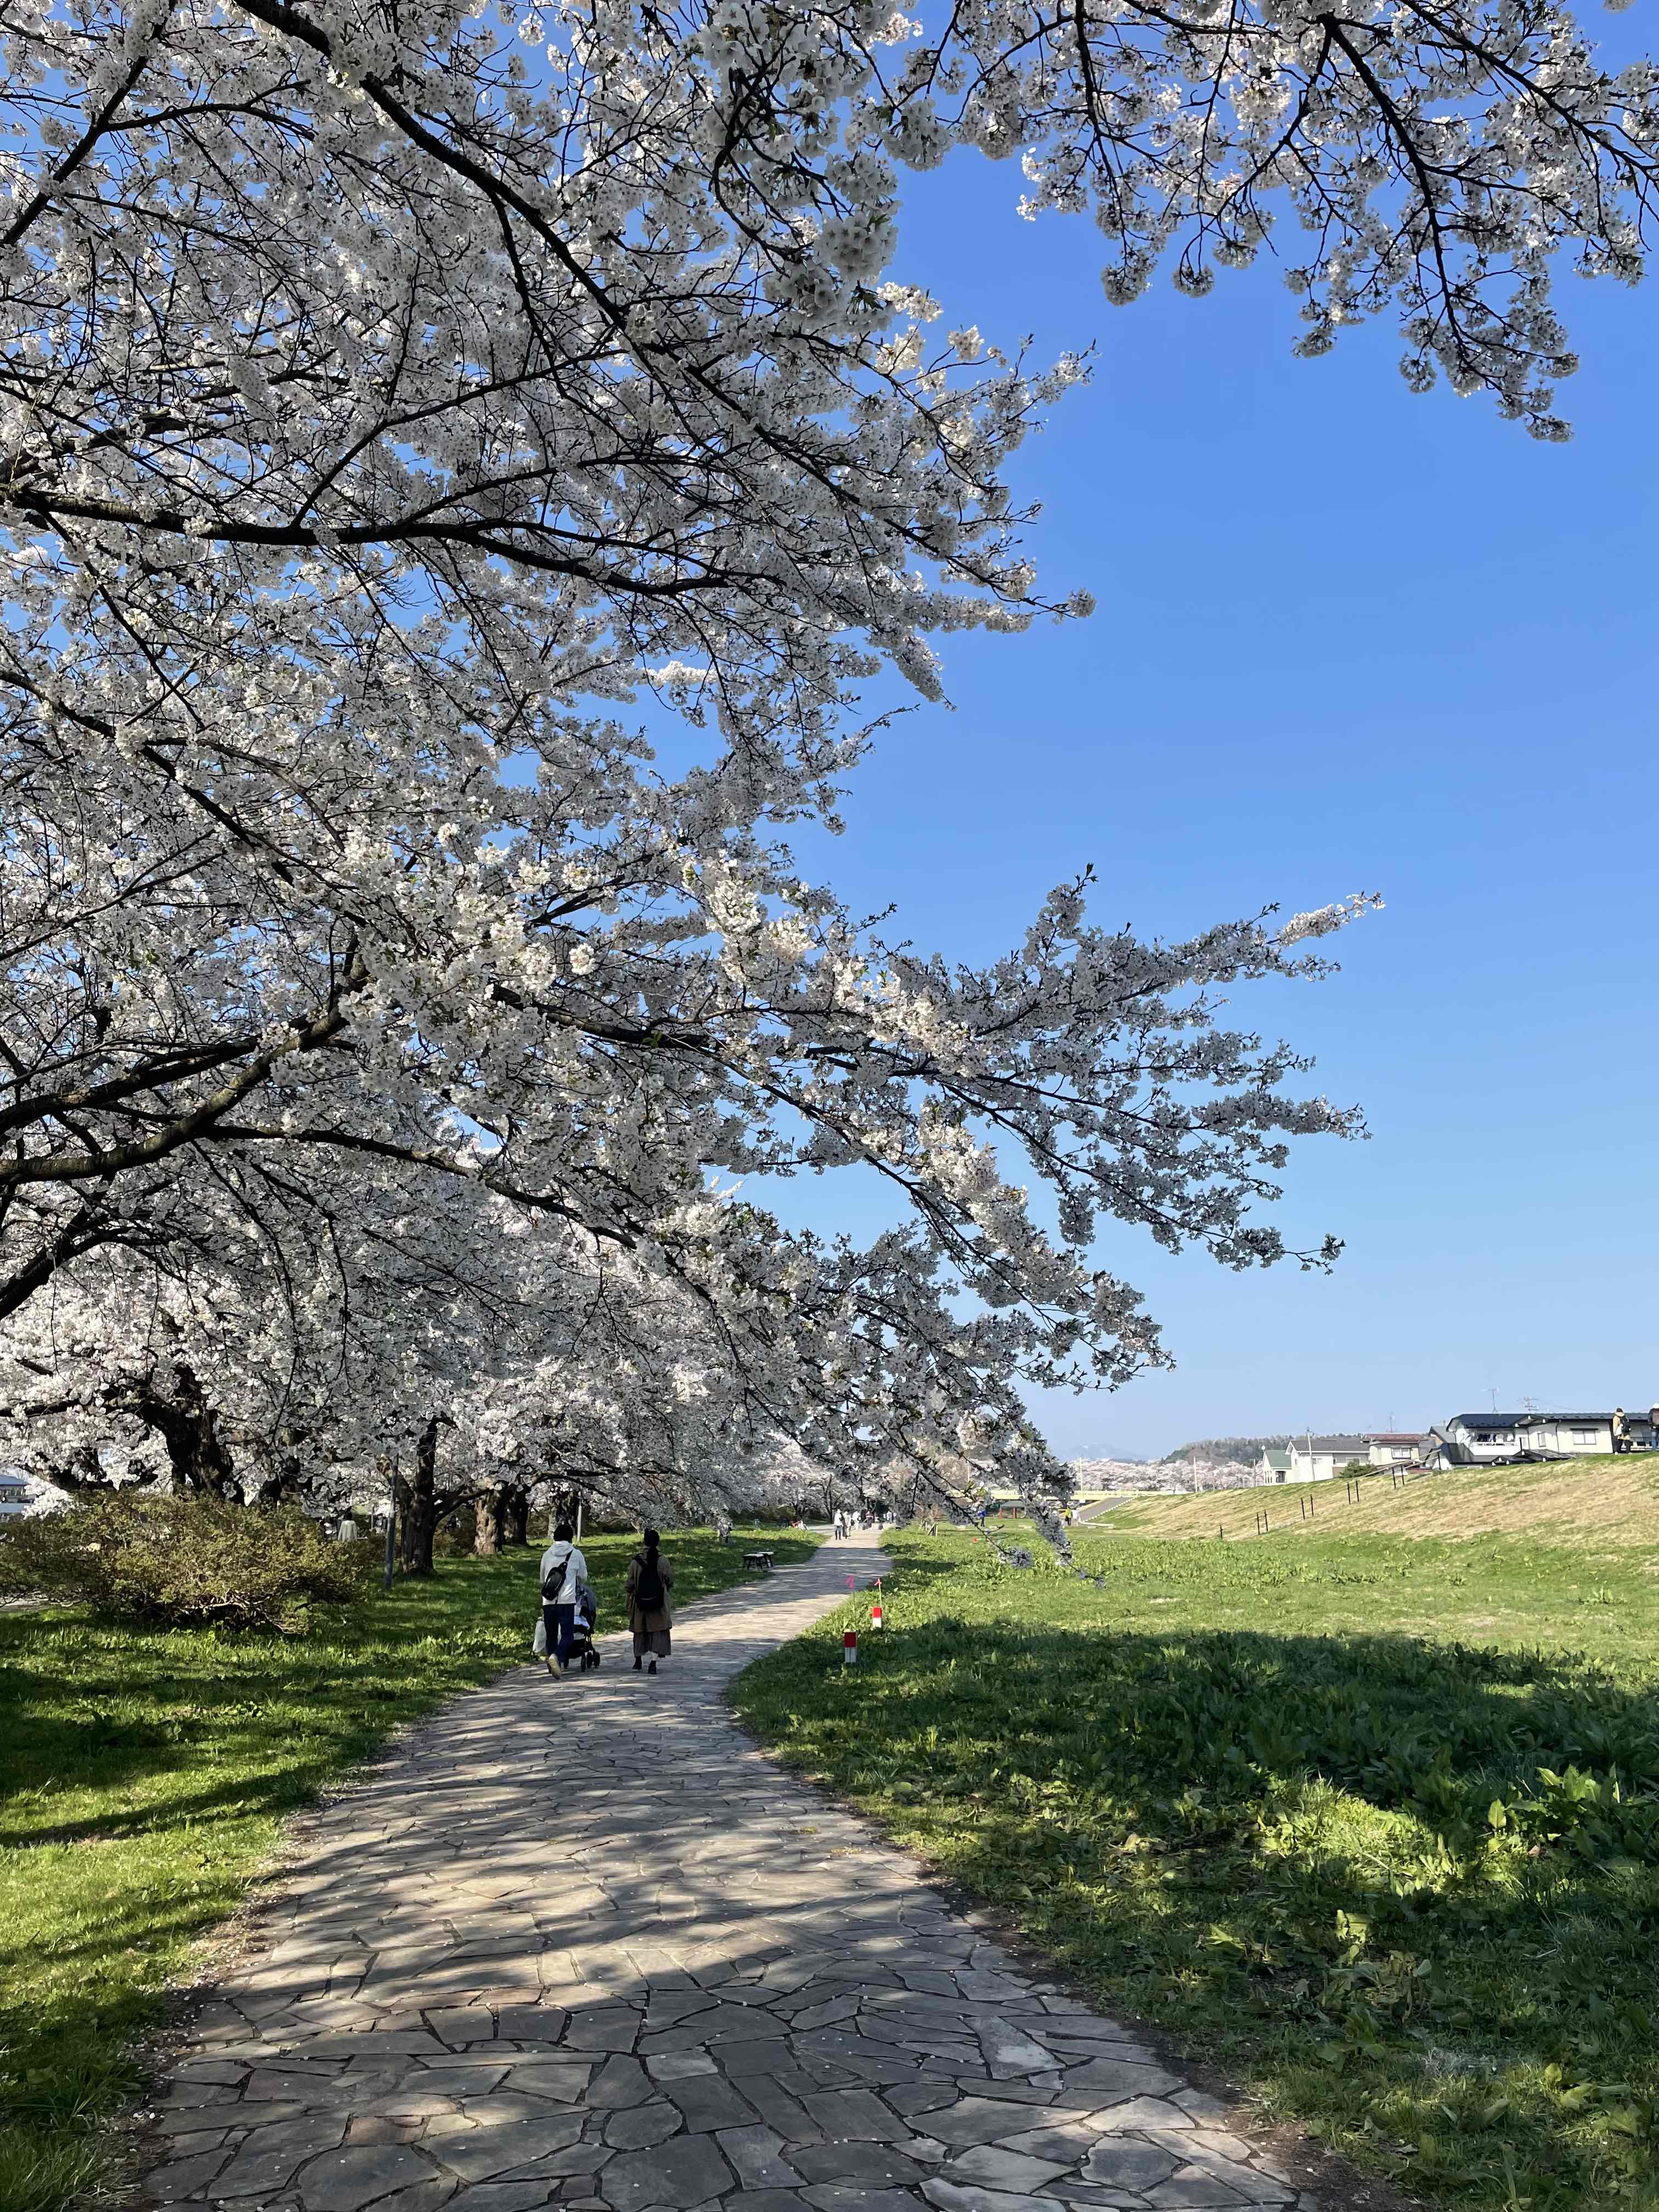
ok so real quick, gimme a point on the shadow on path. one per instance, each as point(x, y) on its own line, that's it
point(578, 1941)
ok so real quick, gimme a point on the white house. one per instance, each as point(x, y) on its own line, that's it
point(1570, 1436)
point(1319, 1459)
point(1564, 1436)
point(1397, 1448)
point(1481, 1439)
point(1478, 1439)
point(1274, 1466)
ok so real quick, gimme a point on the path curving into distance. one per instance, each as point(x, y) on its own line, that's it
point(579, 1942)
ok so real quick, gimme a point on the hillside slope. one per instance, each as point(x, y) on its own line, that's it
point(1597, 1503)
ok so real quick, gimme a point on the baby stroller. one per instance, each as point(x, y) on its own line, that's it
point(581, 1631)
point(582, 1628)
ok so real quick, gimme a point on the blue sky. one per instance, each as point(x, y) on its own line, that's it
point(1347, 639)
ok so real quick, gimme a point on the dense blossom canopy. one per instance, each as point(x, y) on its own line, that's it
point(391, 397)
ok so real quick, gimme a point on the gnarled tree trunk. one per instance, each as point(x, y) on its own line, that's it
point(490, 1512)
point(198, 1458)
point(515, 1514)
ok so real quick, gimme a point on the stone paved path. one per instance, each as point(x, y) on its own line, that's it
point(576, 1943)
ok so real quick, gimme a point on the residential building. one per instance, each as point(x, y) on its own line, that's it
point(1273, 1466)
point(1571, 1436)
point(1397, 1448)
point(1320, 1459)
point(1564, 1435)
point(22, 1493)
point(1480, 1439)
point(1494, 1440)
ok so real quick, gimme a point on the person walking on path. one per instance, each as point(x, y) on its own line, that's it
point(563, 1568)
point(840, 1524)
point(650, 1579)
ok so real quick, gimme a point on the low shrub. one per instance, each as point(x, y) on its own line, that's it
point(185, 1562)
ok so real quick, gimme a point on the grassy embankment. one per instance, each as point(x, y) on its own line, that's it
point(1596, 1505)
point(1368, 1820)
point(146, 1773)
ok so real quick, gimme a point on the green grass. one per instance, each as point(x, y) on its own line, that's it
point(1372, 1825)
point(145, 1775)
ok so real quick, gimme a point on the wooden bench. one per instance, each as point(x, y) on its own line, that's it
point(761, 1560)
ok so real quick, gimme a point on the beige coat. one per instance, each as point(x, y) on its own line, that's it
point(658, 1621)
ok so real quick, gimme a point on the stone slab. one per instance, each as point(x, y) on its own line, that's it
point(505, 1976)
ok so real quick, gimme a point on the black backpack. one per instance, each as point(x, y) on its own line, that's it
point(649, 1590)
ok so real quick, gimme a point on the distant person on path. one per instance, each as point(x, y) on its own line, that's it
point(562, 1568)
point(1620, 1430)
point(650, 1579)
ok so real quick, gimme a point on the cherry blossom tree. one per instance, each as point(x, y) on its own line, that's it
point(395, 400)
point(362, 1345)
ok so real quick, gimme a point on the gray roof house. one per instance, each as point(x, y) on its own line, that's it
point(1500, 1439)
point(1319, 1459)
point(1480, 1439)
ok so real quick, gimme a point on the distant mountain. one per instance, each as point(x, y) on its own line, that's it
point(1227, 1451)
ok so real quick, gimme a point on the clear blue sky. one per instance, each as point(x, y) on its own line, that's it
point(1347, 640)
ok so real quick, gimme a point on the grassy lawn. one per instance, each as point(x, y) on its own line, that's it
point(145, 1774)
point(1370, 1822)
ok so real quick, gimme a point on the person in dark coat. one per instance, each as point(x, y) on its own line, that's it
point(650, 1579)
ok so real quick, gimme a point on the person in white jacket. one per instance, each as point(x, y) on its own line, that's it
point(562, 1568)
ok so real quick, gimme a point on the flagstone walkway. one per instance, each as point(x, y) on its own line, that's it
point(577, 1943)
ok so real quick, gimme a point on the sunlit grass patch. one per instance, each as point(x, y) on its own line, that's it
point(1372, 1825)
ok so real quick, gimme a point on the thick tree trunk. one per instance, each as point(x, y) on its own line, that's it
point(515, 1514)
point(418, 1505)
point(490, 1513)
point(188, 1426)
